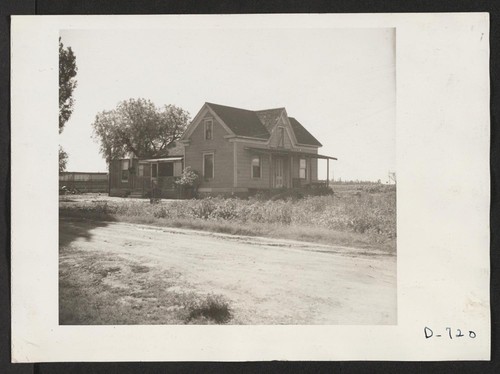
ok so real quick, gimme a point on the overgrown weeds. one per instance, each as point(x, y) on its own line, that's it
point(360, 211)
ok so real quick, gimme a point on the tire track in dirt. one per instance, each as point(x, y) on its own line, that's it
point(268, 281)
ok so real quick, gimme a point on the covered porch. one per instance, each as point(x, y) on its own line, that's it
point(156, 177)
point(141, 177)
point(293, 169)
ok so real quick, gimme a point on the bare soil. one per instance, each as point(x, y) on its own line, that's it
point(121, 273)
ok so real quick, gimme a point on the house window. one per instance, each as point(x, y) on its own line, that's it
point(154, 170)
point(209, 125)
point(303, 168)
point(281, 134)
point(208, 166)
point(140, 170)
point(124, 170)
point(256, 167)
point(166, 169)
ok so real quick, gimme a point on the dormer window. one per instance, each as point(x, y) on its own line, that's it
point(209, 125)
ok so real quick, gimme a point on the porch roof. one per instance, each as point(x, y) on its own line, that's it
point(164, 159)
point(288, 152)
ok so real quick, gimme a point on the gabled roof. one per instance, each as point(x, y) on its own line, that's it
point(303, 136)
point(269, 117)
point(259, 124)
point(241, 121)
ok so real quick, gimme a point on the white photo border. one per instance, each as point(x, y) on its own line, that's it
point(443, 201)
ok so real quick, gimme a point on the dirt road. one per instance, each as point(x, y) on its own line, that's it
point(267, 281)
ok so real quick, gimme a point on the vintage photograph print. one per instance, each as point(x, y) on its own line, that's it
point(237, 176)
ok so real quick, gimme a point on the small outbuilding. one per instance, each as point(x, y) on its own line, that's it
point(147, 177)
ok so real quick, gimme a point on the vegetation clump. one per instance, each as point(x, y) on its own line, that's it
point(188, 182)
point(213, 308)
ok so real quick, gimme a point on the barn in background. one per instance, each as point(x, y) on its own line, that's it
point(83, 181)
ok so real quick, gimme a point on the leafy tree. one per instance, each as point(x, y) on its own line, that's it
point(139, 127)
point(63, 159)
point(67, 83)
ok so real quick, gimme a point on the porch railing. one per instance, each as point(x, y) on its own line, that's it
point(299, 183)
point(167, 183)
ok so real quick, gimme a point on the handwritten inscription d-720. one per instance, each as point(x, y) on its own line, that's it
point(450, 333)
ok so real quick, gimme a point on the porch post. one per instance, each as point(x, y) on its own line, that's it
point(309, 169)
point(109, 175)
point(333, 177)
point(270, 170)
point(327, 172)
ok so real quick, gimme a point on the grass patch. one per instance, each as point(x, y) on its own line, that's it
point(97, 289)
point(139, 269)
point(104, 272)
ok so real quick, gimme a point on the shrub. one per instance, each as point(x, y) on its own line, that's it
point(225, 209)
point(213, 308)
point(203, 208)
point(189, 178)
point(161, 212)
point(188, 183)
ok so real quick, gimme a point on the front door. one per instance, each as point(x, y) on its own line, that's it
point(278, 173)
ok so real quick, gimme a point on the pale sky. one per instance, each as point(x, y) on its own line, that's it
point(339, 83)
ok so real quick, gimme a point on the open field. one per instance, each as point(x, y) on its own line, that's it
point(356, 215)
point(121, 273)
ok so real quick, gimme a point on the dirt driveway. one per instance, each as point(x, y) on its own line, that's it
point(267, 281)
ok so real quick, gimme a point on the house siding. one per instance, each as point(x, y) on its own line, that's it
point(219, 146)
point(177, 168)
point(244, 168)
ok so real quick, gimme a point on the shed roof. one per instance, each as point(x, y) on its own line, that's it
point(280, 151)
point(163, 159)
